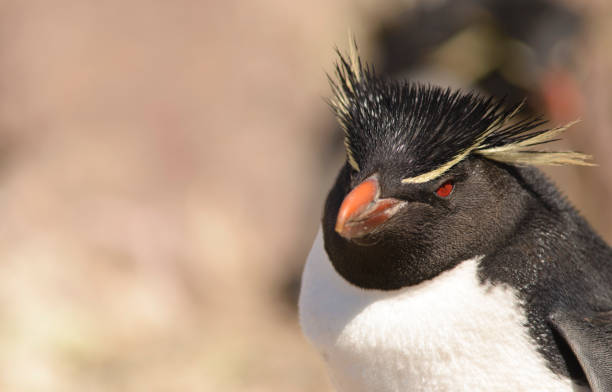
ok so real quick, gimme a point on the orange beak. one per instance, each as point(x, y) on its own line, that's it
point(362, 211)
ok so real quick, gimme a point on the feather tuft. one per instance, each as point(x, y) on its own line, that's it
point(430, 129)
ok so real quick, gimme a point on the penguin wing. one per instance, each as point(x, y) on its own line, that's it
point(589, 335)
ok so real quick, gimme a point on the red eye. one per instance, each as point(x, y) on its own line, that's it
point(445, 189)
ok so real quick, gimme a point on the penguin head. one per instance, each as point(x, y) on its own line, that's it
point(430, 177)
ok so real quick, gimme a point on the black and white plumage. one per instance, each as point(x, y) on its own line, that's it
point(445, 262)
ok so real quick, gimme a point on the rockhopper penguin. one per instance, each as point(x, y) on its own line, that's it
point(445, 260)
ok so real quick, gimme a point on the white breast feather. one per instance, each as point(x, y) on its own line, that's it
point(447, 334)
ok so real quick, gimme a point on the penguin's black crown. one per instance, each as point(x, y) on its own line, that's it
point(431, 129)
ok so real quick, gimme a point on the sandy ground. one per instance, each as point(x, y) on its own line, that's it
point(162, 172)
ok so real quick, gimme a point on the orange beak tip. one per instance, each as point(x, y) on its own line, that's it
point(339, 228)
point(356, 202)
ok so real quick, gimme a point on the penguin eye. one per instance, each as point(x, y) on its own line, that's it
point(445, 189)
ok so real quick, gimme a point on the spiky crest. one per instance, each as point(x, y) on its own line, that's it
point(348, 72)
point(432, 128)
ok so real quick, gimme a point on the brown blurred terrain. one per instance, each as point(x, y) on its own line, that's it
point(162, 172)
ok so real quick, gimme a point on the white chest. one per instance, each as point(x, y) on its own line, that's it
point(447, 334)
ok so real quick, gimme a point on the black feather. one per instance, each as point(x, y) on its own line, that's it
point(427, 126)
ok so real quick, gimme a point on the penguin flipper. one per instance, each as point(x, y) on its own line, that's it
point(589, 335)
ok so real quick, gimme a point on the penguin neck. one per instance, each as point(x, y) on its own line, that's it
point(389, 262)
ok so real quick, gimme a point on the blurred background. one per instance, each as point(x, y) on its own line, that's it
point(163, 167)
